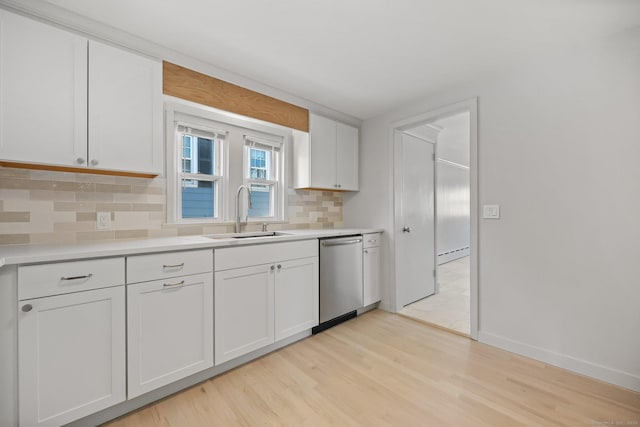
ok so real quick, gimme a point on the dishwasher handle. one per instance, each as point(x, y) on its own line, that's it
point(341, 242)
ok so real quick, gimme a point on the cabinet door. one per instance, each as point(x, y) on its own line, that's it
point(71, 354)
point(296, 296)
point(322, 134)
point(125, 110)
point(170, 330)
point(371, 262)
point(243, 311)
point(43, 93)
point(347, 157)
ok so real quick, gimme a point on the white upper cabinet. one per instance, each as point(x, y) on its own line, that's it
point(43, 93)
point(125, 110)
point(323, 152)
point(327, 157)
point(68, 101)
point(346, 157)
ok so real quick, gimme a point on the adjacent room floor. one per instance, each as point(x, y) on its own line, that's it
point(382, 369)
point(450, 307)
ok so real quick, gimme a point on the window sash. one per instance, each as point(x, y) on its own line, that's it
point(217, 137)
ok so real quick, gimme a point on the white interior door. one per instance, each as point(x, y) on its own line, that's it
point(415, 222)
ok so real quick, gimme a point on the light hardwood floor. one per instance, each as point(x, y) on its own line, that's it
point(382, 369)
point(450, 307)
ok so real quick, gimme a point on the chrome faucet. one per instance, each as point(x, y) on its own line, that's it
point(238, 222)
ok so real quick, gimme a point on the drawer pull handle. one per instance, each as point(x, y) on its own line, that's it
point(174, 265)
point(173, 285)
point(86, 276)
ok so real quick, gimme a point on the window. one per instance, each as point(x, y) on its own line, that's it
point(262, 176)
point(210, 153)
point(199, 175)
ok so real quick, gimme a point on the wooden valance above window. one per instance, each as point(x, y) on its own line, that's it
point(197, 87)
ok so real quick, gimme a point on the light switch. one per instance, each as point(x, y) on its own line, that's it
point(491, 211)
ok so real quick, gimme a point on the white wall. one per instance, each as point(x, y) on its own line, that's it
point(453, 139)
point(559, 143)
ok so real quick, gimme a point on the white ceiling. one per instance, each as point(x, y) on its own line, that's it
point(362, 57)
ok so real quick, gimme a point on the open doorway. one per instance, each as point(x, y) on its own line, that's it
point(449, 306)
point(453, 304)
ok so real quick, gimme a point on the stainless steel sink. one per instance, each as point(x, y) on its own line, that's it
point(248, 235)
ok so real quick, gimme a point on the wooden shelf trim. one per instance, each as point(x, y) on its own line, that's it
point(75, 170)
point(197, 87)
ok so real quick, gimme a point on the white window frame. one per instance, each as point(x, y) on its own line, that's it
point(276, 146)
point(197, 126)
point(233, 157)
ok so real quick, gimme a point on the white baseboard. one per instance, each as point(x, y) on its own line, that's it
point(453, 255)
point(590, 369)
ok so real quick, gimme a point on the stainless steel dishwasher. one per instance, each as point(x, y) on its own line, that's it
point(340, 280)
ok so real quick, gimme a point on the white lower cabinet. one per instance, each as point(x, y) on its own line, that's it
point(371, 262)
point(170, 330)
point(169, 318)
point(243, 311)
point(296, 296)
point(71, 355)
point(263, 293)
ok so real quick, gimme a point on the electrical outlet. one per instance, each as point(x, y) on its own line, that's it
point(103, 220)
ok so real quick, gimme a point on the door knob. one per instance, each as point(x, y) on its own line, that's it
point(406, 229)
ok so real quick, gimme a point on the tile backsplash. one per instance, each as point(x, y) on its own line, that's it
point(57, 207)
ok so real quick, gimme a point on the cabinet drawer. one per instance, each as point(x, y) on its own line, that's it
point(371, 240)
point(142, 268)
point(35, 281)
point(246, 256)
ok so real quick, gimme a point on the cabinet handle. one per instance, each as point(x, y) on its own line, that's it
point(372, 241)
point(173, 265)
point(86, 276)
point(279, 266)
point(273, 267)
point(339, 186)
point(366, 251)
point(27, 308)
point(80, 160)
point(173, 285)
point(406, 229)
point(94, 162)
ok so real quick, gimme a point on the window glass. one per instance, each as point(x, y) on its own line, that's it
point(198, 155)
point(261, 200)
point(260, 167)
point(198, 198)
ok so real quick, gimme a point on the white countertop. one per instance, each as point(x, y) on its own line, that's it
point(28, 254)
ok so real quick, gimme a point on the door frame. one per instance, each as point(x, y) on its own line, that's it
point(470, 106)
